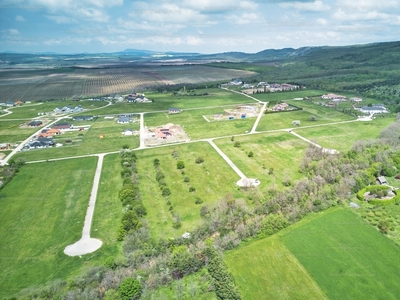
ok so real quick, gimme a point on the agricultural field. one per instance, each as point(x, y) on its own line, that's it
point(42, 211)
point(88, 82)
point(342, 137)
point(213, 179)
point(329, 255)
point(280, 151)
point(346, 257)
point(270, 272)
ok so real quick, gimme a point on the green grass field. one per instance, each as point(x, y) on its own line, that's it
point(212, 180)
point(343, 136)
point(284, 120)
point(42, 211)
point(346, 257)
point(108, 211)
point(162, 102)
point(10, 132)
point(281, 151)
point(266, 269)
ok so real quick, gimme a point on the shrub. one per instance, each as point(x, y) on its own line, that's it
point(250, 154)
point(199, 160)
point(198, 200)
point(130, 289)
point(186, 179)
point(236, 144)
point(180, 165)
point(156, 162)
point(273, 223)
point(191, 189)
point(166, 192)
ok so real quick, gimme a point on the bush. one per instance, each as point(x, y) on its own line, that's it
point(180, 165)
point(198, 200)
point(166, 192)
point(186, 179)
point(192, 189)
point(130, 289)
point(199, 160)
point(273, 223)
point(156, 162)
point(236, 144)
point(250, 154)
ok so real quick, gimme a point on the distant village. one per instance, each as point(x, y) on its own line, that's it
point(261, 87)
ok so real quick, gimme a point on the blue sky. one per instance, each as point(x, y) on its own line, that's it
point(205, 26)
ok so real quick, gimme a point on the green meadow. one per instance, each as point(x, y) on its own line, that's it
point(42, 211)
point(343, 136)
point(346, 256)
point(281, 151)
point(266, 269)
point(212, 180)
point(330, 255)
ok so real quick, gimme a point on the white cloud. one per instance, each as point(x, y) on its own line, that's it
point(11, 31)
point(321, 21)
point(61, 19)
point(246, 18)
point(20, 19)
point(92, 14)
point(306, 6)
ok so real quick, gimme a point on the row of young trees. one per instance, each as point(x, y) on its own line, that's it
point(129, 194)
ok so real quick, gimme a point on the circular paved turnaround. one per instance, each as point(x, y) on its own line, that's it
point(248, 182)
point(83, 246)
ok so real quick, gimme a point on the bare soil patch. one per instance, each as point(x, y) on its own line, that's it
point(165, 134)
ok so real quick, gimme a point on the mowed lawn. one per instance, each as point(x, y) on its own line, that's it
point(42, 211)
point(197, 127)
point(108, 210)
point(343, 136)
point(347, 257)
point(266, 269)
point(10, 132)
point(213, 180)
point(280, 150)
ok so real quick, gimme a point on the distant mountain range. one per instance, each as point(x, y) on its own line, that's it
point(137, 55)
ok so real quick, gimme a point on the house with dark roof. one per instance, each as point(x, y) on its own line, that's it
point(123, 120)
point(62, 126)
point(35, 123)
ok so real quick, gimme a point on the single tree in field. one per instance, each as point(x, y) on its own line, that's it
point(130, 289)
point(180, 165)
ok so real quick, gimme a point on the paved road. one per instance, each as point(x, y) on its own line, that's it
point(87, 244)
point(253, 130)
point(22, 144)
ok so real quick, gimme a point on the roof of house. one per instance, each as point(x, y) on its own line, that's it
point(35, 123)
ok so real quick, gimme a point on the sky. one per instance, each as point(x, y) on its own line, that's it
point(202, 26)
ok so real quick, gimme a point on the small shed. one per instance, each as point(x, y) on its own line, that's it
point(354, 205)
point(174, 110)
